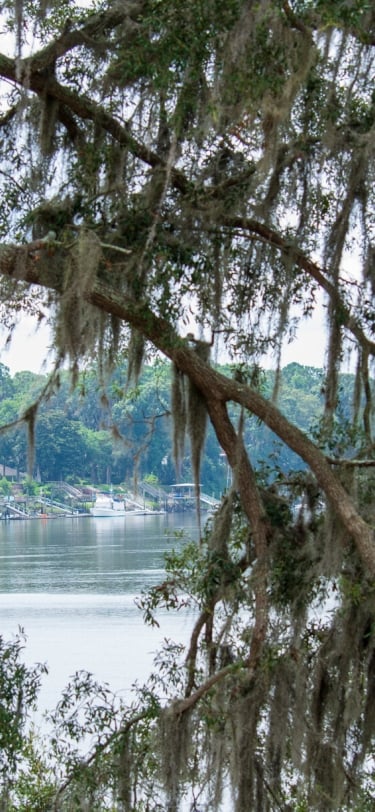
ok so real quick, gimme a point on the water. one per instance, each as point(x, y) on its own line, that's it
point(72, 583)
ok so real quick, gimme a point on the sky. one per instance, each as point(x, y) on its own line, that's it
point(30, 348)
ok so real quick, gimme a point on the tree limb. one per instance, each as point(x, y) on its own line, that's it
point(87, 109)
point(273, 238)
point(233, 445)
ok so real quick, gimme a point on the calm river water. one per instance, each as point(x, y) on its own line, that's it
point(71, 584)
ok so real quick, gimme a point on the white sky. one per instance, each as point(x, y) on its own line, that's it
point(30, 348)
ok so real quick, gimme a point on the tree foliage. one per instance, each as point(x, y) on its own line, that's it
point(184, 177)
point(128, 433)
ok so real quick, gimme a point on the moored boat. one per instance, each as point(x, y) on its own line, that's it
point(107, 507)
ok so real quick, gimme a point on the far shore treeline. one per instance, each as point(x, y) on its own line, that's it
point(100, 434)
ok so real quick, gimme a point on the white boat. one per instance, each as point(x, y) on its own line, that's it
point(106, 506)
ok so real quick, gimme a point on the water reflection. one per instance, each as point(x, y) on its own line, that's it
point(71, 583)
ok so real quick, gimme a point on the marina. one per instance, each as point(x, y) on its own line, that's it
point(61, 500)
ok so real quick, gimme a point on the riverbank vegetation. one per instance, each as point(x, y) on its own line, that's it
point(180, 179)
point(85, 441)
